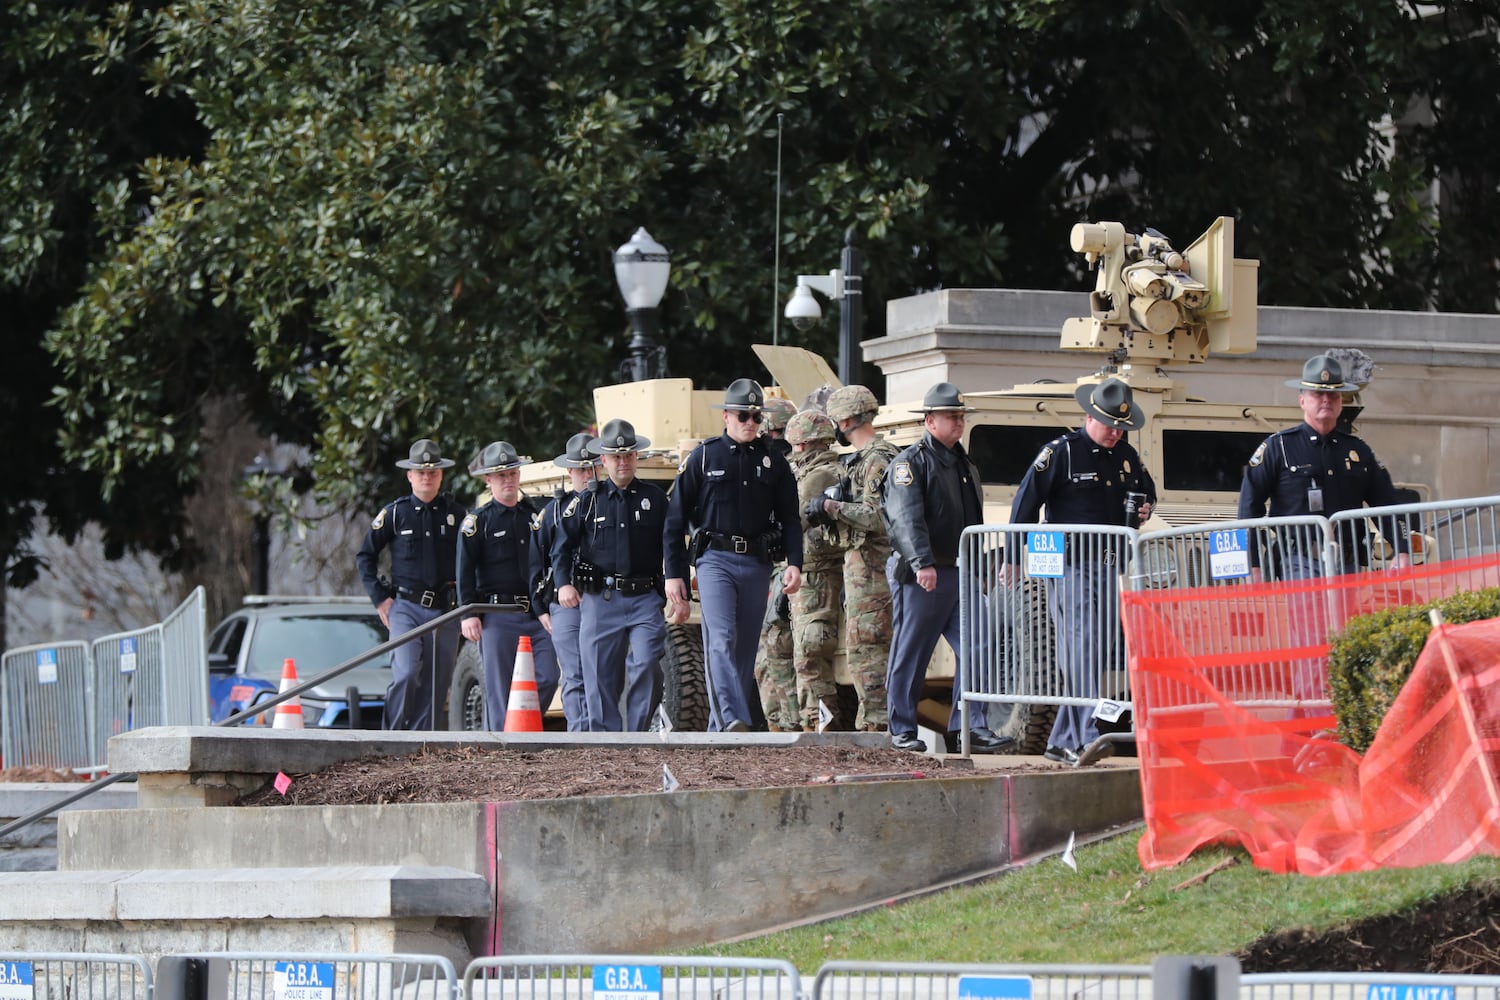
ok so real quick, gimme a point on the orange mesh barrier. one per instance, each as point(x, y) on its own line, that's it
point(1235, 731)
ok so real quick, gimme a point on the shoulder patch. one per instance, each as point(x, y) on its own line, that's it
point(571, 507)
point(1260, 455)
point(471, 522)
point(1043, 459)
point(379, 521)
point(901, 473)
point(536, 521)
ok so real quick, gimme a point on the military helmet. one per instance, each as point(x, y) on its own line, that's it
point(851, 401)
point(778, 411)
point(809, 425)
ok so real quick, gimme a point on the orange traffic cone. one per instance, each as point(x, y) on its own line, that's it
point(289, 712)
point(524, 713)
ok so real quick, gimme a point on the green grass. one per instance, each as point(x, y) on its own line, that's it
point(1109, 911)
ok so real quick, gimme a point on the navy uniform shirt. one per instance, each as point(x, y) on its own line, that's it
point(494, 551)
point(733, 489)
point(618, 530)
point(1291, 463)
point(546, 526)
point(421, 538)
point(1081, 482)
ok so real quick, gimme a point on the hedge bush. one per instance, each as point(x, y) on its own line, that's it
point(1373, 656)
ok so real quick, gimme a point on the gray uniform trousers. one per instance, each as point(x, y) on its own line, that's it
point(497, 650)
point(732, 591)
point(918, 619)
point(569, 666)
point(421, 670)
point(627, 637)
point(1084, 604)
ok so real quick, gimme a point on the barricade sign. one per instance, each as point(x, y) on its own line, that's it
point(627, 982)
point(994, 988)
point(303, 981)
point(629, 977)
point(16, 981)
point(1044, 553)
point(46, 666)
point(1229, 554)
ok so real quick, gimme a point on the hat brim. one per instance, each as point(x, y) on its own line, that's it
point(569, 462)
point(491, 469)
point(641, 444)
point(442, 463)
point(737, 407)
point(1134, 421)
point(944, 409)
point(1297, 383)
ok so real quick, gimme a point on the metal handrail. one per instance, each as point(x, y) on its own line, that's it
point(467, 610)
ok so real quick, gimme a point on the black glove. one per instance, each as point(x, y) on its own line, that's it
point(815, 513)
point(784, 607)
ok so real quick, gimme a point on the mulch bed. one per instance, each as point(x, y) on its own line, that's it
point(473, 774)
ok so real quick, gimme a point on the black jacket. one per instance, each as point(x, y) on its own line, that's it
point(931, 494)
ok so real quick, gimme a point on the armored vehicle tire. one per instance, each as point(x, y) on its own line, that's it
point(466, 695)
point(684, 693)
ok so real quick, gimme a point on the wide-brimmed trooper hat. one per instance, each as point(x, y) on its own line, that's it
point(618, 437)
point(1111, 404)
point(944, 398)
point(577, 455)
point(1322, 374)
point(497, 456)
point(743, 394)
point(425, 455)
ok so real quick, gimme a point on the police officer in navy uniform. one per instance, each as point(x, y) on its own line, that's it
point(563, 622)
point(420, 529)
point(494, 567)
point(738, 498)
point(1316, 468)
point(1088, 476)
point(931, 493)
point(607, 560)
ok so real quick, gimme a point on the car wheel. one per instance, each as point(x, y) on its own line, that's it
point(466, 695)
point(684, 685)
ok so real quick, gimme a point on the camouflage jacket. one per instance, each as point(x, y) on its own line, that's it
point(865, 469)
point(816, 471)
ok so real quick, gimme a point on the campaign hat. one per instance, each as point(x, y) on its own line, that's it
point(618, 437)
point(425, 454)
point(577, 455)
point(1322, 374)
point(944, 398)
point(743, 394)
point(1110, 403)
point(497, 456)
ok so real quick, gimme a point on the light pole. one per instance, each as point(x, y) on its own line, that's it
point(642, 267)
point(844, 286)
point(260, 532)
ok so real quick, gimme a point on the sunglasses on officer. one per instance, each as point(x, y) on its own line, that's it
point(745, 415)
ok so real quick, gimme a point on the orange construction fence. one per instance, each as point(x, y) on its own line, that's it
point(1235, 731)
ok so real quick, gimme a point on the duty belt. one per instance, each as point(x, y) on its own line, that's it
point(738, 544)
point(427, 598)
point(630, 586)
point(523, 601)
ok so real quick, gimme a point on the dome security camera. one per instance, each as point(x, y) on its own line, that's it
point(803, 309)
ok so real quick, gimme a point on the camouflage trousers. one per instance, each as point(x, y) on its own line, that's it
point(867, 616)
point(774, 676)
point(815, 640)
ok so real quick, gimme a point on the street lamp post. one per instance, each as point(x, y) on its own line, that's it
point(260, 531)
point(844, 286)
point(642, 267)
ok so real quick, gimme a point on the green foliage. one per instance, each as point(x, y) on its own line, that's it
point(1372, 657)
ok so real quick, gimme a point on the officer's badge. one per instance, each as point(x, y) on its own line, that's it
point(1044, 459)
point(471, 523)
point(901, 474)
point(766, 461)
point(1259, 456)
point(379, 521)
point(450, 520)
point(645, 503)
point(572, 506)
point(1353, 455)
point(1125, 465)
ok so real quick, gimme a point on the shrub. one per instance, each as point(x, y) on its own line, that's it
point(1373, 656)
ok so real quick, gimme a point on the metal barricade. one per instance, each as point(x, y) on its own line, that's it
point(184, 660)
point(152, 676)
point(945, 981)
point(75, 976)
point(44, 706)
point(270, 976)
point(1449, 532)
point(630, 977)
point(1366, 986)
point(127, 686)
point(1039, 614)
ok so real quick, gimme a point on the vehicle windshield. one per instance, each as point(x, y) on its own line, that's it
point(316, 642)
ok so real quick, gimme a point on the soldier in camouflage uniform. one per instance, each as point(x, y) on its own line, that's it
point(867, 594)
point(774, 675)
point(816, 607)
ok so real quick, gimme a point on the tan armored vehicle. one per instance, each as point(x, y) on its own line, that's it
point(1153, 310)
